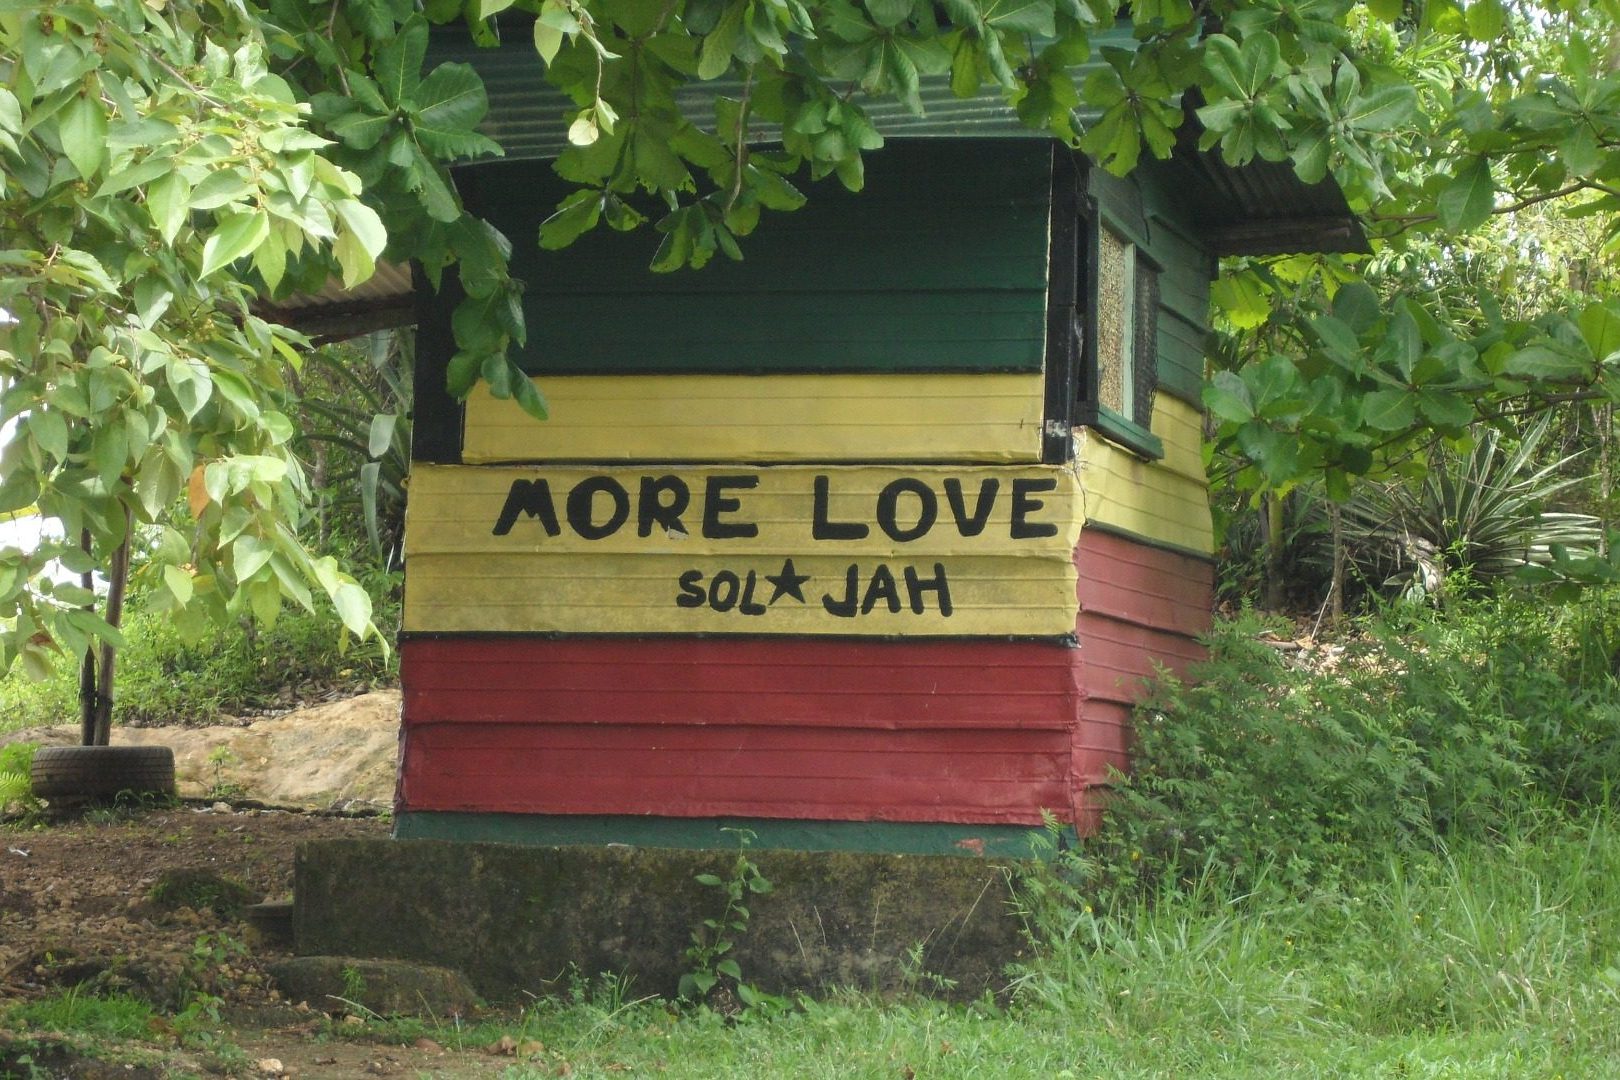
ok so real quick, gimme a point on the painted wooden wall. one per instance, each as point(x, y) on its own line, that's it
point(576, 668)
point(852, 282)
point(829, 418)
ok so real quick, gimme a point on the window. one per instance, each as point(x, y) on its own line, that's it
point(1102, 317)
point(1122, 373)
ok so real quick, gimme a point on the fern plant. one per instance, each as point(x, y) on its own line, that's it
point(15, 786)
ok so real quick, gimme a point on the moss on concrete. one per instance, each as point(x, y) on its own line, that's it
point(385, 987)
point(200, 889)
point(518, 919)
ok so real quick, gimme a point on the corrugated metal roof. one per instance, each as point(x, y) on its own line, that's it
point(382, 301)
point(1257, 208)
point(1262, 207)
point(529, 117)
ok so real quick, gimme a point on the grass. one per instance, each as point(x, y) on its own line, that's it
point(1488, 959)
point(1491, 959)
point(112, 1016)
point(1304, 936)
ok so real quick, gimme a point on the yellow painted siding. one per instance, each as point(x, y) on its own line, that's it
point(1165, 501)
point(768, 418)
point(586, 562)
point(1180, 427)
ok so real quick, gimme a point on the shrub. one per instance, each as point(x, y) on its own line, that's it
point(1433, 725)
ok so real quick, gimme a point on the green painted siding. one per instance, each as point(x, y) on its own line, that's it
point(907, 838)
point(1151, 212)
point(939, 265)
point(1181, 357)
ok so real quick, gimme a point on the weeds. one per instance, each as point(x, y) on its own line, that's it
point(16, 789)
point(110, 1016)
point(708, 957)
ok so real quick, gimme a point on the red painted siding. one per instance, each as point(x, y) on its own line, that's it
point(989, 732)
point(963, 731)
point(1140, 605)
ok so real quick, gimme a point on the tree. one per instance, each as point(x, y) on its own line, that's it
point(147, 150)
point(166, 162)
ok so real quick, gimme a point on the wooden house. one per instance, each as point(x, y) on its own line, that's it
point(865, 542)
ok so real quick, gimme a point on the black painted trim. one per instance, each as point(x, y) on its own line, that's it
point(1067, 641)
point(436, 416)
point(1063, 269)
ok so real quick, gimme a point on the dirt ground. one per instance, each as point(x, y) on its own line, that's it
point(77, 906)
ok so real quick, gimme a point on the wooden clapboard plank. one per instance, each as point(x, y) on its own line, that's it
point(775, 418)
point(943, 551)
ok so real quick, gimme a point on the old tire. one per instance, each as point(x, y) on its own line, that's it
point(67, 773)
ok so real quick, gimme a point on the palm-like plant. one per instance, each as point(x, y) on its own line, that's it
point(1475, 518)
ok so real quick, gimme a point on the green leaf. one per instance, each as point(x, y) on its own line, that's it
point(1038, 17)
point(1275, 452)
point(1339, 342)
point(399, 62)
point(179, 583)
point(528, 396)
point(191, 384)
point(450, 103)
point(547, 40)
point(1485, 19)
point(1241, 299)
point(1469, 198)
point(353, 258)
point(82, 127)
point(577, 214)
point(1389, 410)
point(1227, 397)
point(49, 429)
point(1383, 110)
point(1446, 409)
point(720, 43)
point(361, 130)
point(1600, 329)
point(109, 451)
point(381, 435)
point(218, 188)
point(353, 607)
point(236, 236)
point(168, 202)
point(1542, 362)
point(889, 13)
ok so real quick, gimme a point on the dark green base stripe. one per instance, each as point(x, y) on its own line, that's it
point(895, 837)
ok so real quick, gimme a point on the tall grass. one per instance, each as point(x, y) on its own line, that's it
point(1508, 947)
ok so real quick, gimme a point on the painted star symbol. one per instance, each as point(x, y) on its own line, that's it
point(787, 583)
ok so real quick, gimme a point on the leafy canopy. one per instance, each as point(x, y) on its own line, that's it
point(165, 162)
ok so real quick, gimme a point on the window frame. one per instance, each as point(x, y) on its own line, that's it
point(1080, 230)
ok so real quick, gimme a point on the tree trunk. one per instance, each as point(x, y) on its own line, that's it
point(1336, 586)
point(1604, 417)
point(117, 579)
point(1275, 593)
point(87, 667)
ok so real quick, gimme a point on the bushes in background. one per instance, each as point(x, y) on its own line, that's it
point(1430, 727)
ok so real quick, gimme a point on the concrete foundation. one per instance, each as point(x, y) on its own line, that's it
point(523, 920)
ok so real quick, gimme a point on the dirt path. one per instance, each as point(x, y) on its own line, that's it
point(77, 903)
